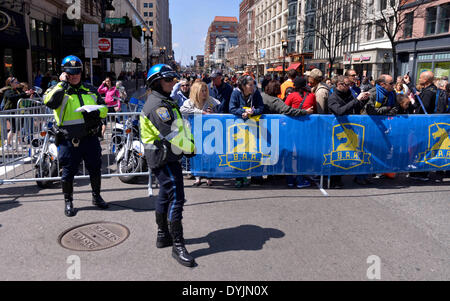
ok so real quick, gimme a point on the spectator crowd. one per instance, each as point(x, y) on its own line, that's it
point(295, 95)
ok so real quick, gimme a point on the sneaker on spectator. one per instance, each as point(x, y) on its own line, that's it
point(238, 184)
point(303, 183)
point(418, 178)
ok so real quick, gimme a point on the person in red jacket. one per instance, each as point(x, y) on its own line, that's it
point(301, 98)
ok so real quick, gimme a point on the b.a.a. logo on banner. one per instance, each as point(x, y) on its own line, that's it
point(250, 145)
point(348, 147)
point(438, 152)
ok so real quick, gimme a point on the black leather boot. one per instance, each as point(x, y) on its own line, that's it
point(97, 200)
point(163, 238)
point(67, 188)
point(179, 251)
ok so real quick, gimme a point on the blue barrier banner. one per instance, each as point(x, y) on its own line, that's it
point(228, 147)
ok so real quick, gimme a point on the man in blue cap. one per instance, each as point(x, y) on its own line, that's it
point(78, 132)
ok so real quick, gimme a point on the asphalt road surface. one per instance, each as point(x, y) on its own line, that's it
point(257, 233)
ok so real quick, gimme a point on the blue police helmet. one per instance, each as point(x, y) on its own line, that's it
point(160, 71)
point(72, 65)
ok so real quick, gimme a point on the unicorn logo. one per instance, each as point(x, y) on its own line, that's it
point(444, 140)
point(348, 147)
point(438, 152)
point(351, 140)
point(243, 147)
point(245, 140)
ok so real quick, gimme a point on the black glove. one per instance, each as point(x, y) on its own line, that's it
point(92, 115)
point(190, 155)
point(93, 123)
point(194, 153)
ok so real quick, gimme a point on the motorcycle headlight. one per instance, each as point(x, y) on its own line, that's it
point(36, 143)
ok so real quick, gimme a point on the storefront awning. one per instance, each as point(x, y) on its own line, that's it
point(294, 66)
point(278, 69)
point(270, 70)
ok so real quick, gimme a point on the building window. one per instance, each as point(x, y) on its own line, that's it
point(145, 14)
point(369, 31)
point(346, 13)
point(150, 14)
point(379, 32)
point(409, 21)
point(145, 5)
point(444, 18)
point(150, 5)
point(431, 21)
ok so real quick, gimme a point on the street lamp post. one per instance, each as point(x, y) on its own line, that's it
point(284, 45)
point(147, 38)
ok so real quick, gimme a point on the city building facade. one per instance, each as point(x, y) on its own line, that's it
point(271, 25)
point(424, 42)
point(221, 27)
point(156, 16)
point(41, 33)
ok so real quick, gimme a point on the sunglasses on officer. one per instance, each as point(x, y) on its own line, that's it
point(168, 80)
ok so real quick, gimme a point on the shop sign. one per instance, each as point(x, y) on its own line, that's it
point(5, 20)
point(362, 59)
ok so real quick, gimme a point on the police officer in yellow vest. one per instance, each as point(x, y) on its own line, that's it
point(78, 132)
point(167, 138)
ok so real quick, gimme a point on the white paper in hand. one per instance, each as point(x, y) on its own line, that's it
point(89, 108)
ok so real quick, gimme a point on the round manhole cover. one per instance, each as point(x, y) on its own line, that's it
point(94, 236)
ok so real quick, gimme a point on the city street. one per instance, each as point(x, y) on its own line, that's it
point(258, 233)
point(279, 92)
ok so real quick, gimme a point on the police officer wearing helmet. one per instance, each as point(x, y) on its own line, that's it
point(78, 133)
point(167, 139)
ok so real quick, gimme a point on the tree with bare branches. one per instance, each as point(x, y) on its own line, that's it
point(336, 25)
point(390, 18)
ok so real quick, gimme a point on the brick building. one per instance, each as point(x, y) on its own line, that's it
point(226, 27)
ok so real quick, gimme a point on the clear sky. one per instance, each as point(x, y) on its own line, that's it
point(190, 23)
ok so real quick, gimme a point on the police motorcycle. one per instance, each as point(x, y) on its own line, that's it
point(45, 160)
point(129, 152)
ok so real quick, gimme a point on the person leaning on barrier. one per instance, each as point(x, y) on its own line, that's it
point(78, 133)
point(166, 138)
point(342, 102)
point(382, 98)
point(200, 102)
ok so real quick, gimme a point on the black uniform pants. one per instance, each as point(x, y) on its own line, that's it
point(171, 191)
point(70, 157)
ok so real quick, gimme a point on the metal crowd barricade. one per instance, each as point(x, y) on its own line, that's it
point(17, 161)
point(29, 122)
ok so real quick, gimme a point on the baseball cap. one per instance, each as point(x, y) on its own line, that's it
point(316, 74)
point(216, 73)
